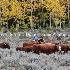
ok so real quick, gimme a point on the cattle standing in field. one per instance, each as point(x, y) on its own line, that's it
point(4, 45)
point(26, 49)
point(48, 48)
point(45, 48)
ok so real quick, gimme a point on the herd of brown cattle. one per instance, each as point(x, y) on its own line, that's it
point(48, 47)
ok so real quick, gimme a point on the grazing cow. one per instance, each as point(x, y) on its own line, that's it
point(44, 48)
point(4, 45)
point(26, 49)
point(29, 43)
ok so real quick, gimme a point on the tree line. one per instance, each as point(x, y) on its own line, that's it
point(34, 13)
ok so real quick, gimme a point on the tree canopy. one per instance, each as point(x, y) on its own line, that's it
point(41, 11)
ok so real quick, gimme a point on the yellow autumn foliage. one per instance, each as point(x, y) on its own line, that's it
point(21, 8)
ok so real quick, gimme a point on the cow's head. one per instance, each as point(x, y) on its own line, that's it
point(6, 45)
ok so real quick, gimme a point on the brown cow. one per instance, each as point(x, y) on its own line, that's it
point(45, 48)
point(63, 47)
point(4, 45)
point(31, 43)
point(26, 49)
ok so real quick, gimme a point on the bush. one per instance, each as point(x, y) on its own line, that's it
point(24, 26)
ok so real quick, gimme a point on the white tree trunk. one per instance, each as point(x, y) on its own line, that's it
point(60, 23)
point(50, 21)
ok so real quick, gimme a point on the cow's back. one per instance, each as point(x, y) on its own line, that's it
point(26, 49)
point(29, 43)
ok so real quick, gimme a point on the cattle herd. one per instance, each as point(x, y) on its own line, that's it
point(48, 47)
point(33, 46)
point(19, 52)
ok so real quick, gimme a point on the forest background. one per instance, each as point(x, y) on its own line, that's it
point(25, 14)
